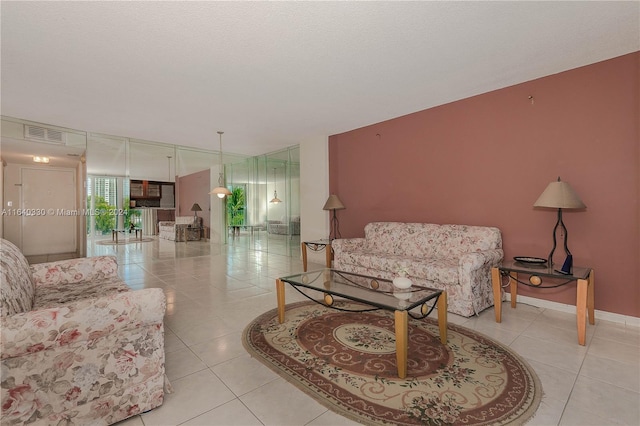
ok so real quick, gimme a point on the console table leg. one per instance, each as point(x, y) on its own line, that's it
point(581, 310)
point(497, 293)
point(280, 297)
point(513, 284)
point(591, 298)
point(402, 345)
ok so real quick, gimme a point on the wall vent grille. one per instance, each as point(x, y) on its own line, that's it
point(43, 134)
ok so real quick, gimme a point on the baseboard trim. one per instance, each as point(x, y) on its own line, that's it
point(602, 315)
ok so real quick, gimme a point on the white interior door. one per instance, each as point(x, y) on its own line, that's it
point(47, 196)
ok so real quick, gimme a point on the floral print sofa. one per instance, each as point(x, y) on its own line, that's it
point(455, 258)
point(76, 345)
point(175, 230)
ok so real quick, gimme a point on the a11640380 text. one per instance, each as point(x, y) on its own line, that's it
point(63, 212)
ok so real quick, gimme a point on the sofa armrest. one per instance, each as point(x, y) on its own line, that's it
point(82, 320)
point(478, 259)
point(347, 244)
point(74, 270)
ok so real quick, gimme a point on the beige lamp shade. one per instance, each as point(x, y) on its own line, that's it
point(559, 195)
point(333, 203)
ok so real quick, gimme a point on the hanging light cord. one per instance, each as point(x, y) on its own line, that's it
point(221, 174)
point(275, 184)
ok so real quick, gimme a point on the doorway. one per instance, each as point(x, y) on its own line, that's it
point(49, 206)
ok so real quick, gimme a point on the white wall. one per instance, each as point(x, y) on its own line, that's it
point(11, 186)
point(314, 191)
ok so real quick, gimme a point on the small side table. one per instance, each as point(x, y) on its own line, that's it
point(316, 245)
point(114, 233)
point(582, 275)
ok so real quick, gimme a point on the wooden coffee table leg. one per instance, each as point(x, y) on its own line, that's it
point(303, 247)
point(328, 255)
point(402, 345)
point(591, 298)
point(280, 296)
point(442, 317)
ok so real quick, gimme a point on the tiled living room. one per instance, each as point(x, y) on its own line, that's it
point(419, 112)
point(215, 291)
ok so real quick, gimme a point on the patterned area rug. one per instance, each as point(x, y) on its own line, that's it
point(347, 362)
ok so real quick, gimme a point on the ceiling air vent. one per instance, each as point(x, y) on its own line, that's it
point(43, 134)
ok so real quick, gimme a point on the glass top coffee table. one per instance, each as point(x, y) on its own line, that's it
point(377, 293)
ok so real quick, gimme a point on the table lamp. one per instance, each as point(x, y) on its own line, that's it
point(334, 203)
point(195, 208)
point(559, 195)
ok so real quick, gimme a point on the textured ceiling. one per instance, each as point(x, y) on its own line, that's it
point(273, 74)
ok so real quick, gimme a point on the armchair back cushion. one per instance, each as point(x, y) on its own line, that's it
point(186, 220)
point(17, 291)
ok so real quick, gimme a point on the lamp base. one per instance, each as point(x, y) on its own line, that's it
point(567, 266)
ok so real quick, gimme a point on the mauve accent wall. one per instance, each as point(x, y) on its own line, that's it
point(486, 159)
point(194, 188)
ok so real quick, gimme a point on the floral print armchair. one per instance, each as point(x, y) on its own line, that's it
point(77, 346)
point(175, 230)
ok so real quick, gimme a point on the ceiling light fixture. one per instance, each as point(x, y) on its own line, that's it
point(275, 199)
point(37, 159)
point(221, 191)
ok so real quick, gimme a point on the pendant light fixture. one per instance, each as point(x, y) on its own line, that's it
point(275, 199)
point(221, 191)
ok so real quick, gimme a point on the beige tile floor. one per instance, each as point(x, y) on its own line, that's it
point(213, 292)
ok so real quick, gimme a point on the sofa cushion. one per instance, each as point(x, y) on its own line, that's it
point(186, 220)
point(16, 287)
point(384, 237)
point(444, 271)
point(427, 240)
point(456, 240)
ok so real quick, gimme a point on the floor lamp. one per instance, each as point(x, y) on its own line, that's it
point(559, 195)
point(334, 203)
